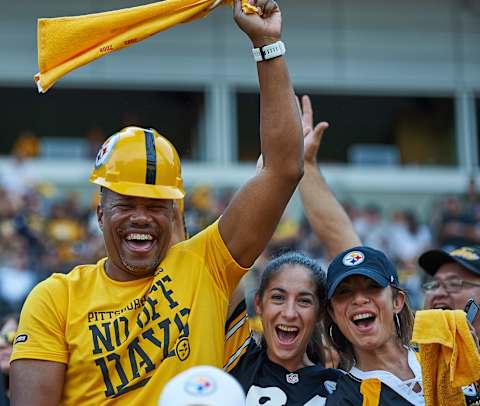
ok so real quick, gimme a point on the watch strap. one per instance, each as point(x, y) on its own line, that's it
point(270, 51)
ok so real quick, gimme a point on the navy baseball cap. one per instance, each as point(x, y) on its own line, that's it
point(363, 261)
point(468, 257)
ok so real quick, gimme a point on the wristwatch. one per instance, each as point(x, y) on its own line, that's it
point(269, 51)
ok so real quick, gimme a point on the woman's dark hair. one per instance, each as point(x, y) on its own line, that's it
point(274, 267)
point(344, 347)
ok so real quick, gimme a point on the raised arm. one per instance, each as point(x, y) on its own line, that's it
point(324, 213)
point(250, 220)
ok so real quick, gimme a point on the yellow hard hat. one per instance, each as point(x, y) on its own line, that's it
point(139, 162)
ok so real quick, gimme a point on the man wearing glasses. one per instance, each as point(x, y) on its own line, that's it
point(455, 278)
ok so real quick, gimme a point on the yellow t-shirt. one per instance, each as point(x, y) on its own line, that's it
point(123, 341)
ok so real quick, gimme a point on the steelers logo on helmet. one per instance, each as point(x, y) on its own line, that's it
point(200, 385)
point(139, 162)
point(353, 258)
point(106, 150)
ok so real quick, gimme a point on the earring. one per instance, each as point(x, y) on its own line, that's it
point(398, 325)
point(330, 333)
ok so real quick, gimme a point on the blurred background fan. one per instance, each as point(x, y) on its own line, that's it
point(399, 83)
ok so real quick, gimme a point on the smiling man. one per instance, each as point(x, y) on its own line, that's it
point(455, 279)
point(116, 332)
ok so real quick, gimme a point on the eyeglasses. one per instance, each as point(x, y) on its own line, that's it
point(454, 285)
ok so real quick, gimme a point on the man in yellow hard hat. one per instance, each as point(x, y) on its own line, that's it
point(118, 331)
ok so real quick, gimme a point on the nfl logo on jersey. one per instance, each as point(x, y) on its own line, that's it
point(292, 378)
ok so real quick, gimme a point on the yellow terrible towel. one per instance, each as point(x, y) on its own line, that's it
point(448, 355)
point(66, 43)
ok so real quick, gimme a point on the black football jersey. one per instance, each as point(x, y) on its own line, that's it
point(267, 383)
point(348, 393)
point(472, 395)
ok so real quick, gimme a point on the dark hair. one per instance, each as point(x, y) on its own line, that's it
point(274, 267)
point(345, 348)
point(101, 196)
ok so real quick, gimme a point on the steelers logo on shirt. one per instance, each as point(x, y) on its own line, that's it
point(182, 349)
point(106, 150)
point(353, 258)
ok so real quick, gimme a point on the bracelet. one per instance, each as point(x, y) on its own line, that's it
point(269, 51)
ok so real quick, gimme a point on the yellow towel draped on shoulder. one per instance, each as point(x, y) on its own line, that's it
point(448, 355)
point(66, 43)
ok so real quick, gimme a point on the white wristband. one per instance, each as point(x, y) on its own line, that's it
point(269, 51)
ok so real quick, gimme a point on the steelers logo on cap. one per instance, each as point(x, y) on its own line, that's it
point(200, 385)
point(106, 150)
point(353, 258)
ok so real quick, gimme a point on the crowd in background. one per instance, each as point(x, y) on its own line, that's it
point(43, 232)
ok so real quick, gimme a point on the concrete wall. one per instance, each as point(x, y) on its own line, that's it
point(372, 46)
point(340, 44)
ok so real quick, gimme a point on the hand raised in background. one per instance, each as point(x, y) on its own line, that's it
point(312, 136)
